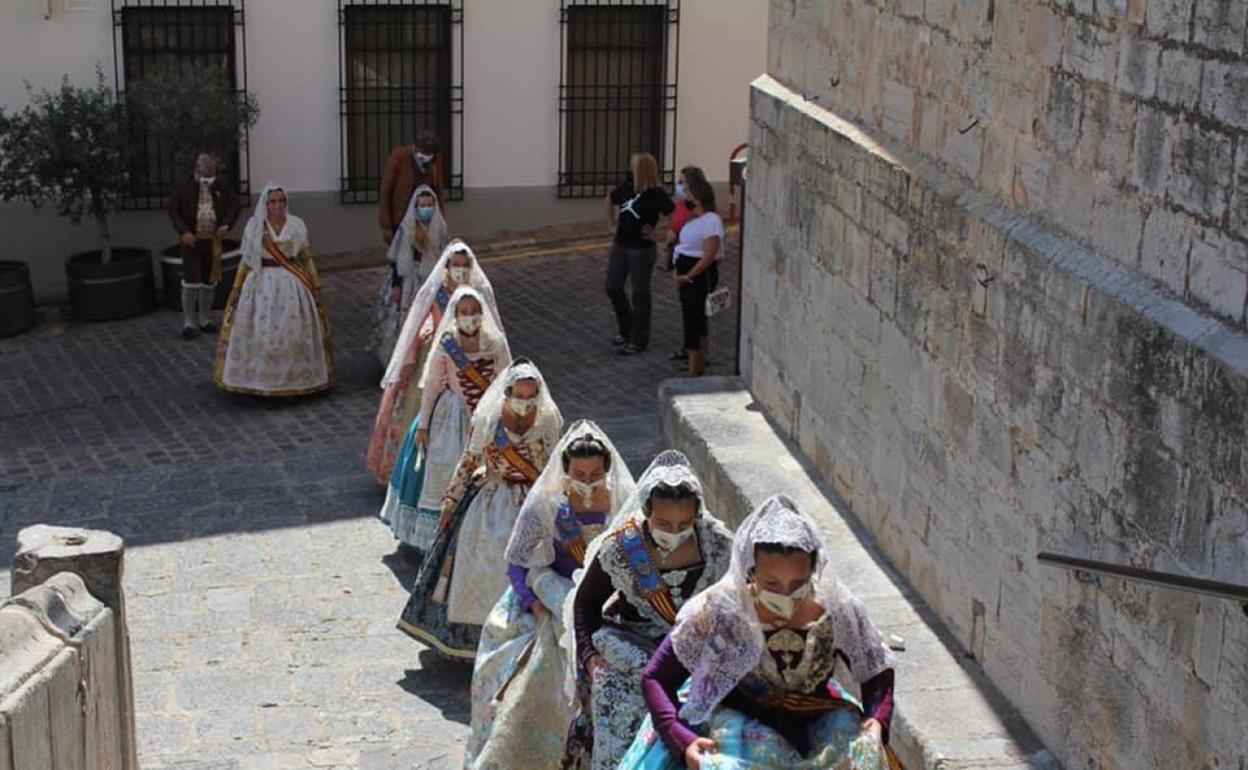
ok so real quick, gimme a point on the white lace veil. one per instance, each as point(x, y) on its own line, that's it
point(492, 337)
point(547, 425)
point(718, 636)
point(423, 303)
point(402, 244)
point(253, 232)
point(532, 539)
point(671, 468)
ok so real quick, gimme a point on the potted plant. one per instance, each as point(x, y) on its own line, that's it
point(17, 298)
point(185, 112)
point(71, 148)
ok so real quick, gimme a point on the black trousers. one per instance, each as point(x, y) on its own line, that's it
point(635, 266)
point(693, 300)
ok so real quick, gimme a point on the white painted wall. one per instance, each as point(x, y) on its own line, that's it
point(511, 76)
point(723, 46)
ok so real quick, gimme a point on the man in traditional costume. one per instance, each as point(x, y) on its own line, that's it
point(203, 208)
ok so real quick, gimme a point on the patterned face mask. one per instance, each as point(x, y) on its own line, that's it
point(469, 324)
point(783, 605)
point(460, 274)
point(585, 490)
point(670, 541)
point(521, 407)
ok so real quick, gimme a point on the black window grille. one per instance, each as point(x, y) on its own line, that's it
point(400, 71)
point(617, 91)
point(153, 36)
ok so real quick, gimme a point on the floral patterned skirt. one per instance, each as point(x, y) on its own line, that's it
point(425, 616)
point(746, 744)
point(520, 709)
point(275, 340)
point(600, 737)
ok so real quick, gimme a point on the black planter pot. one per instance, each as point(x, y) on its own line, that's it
point(171, 274)
point(124, 287)
point(17, 299)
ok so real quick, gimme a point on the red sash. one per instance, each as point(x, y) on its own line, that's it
point(287, 263)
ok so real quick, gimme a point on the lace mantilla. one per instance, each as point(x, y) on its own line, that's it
point(718, 636)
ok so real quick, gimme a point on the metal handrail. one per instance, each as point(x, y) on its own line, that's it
point(1153, 577)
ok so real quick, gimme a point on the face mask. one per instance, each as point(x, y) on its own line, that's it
point(783, 605)
point(425, 213)
point(667, 541)
point(469, 324)
point(422, 160)
point(585, 490)
point(680, 191)
point(521, 406)
point(459, 274)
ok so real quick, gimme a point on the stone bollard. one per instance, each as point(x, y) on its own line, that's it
point(98, 557)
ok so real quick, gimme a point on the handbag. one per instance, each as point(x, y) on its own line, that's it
point(718, 300)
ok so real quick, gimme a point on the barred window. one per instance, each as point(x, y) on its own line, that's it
point(152, 36)
point(401, 72)
point(617, 91)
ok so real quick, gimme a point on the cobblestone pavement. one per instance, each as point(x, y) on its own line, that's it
point(263, 593)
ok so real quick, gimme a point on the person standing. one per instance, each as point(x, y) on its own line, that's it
point(407, 168)
point(634, 210)
point(203, 208)
point(697, 269)
point(421, 237)
point(275, 337)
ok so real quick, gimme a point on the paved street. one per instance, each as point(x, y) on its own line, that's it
point(263, 592)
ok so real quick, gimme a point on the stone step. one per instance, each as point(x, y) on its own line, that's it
point(948, 715)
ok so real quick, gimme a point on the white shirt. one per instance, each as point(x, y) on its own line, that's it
point(695, 232)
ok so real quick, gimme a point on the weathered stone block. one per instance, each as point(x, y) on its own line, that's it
point(1164, 247)
point(1218, 274)
point(1178, 80)
point(1171, 19)
point(1154, 143)
point(1220, 24)
point(1201, 170)
point(1139, 61)
point(1224, 92)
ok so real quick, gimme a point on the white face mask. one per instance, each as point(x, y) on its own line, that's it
point(668, 541)
point(521, 407)
point(586, 490)
point(469, 324)
point(783, 605)
point(460, 274)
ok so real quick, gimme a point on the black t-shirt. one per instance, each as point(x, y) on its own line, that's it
point(637, 211)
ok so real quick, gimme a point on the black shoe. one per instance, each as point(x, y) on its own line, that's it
point(679, 355)
point(189, 333)
point(619, 341)
point(630, 350)
point(208, 328)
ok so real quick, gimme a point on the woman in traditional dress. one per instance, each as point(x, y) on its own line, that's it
point(521, 709)
point(421, 237)
point(470, 350)
point(275, 338)
point(667, 549)
point(765, 646)
point(514, 429)
point(400, 398)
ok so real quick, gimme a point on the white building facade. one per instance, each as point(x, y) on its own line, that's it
point(538, 103)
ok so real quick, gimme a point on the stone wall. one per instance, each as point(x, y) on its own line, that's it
point(1122, 122)
point(964, 342)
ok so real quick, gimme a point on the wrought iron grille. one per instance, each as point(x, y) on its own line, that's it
point(400, 71)
point(164, 35)
point(617, 90)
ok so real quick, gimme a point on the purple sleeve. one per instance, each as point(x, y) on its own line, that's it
point(593, 592)
point(660, 680)
point(877, 699)
point(519, 583)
